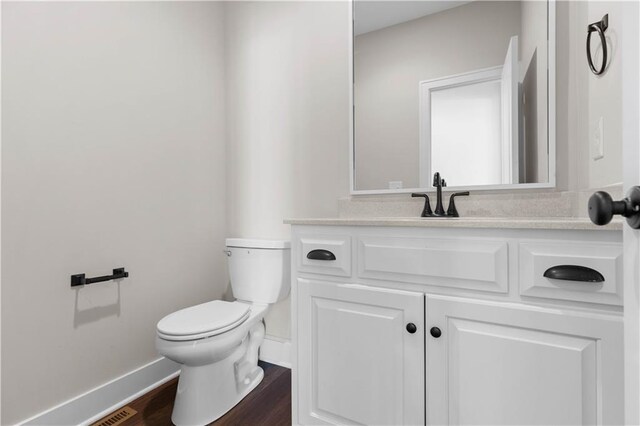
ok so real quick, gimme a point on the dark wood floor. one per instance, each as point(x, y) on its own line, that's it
point(268, 404)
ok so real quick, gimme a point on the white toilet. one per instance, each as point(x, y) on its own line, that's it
point(217, 342)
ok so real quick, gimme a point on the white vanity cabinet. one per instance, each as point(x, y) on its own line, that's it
point(361, 364)
point(500, 364)
point(419, 325)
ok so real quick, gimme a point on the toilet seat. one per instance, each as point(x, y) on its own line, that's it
point(202, 321)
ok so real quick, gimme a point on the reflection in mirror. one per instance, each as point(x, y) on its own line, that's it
point(456, 87)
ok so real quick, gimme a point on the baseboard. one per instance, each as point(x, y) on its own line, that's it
point(98, 402)
point(276, 351)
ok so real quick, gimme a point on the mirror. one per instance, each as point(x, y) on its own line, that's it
point(464, 88)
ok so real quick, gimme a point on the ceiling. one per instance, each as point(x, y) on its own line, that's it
point(374, 15)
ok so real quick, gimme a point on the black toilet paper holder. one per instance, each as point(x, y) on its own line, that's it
point(81, 279)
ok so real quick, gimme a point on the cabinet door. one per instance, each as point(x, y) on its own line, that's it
point(357, 361)
point(509, 364)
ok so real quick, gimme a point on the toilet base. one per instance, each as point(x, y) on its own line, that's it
point(186, 413)
point(207, 392)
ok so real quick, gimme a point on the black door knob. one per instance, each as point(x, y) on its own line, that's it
point(602, 208)
point(435, 332)
point(411, 328)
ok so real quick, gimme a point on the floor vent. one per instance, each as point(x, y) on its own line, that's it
point(116, 418)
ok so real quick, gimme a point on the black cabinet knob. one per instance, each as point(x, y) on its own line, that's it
point(602, 208)
point(411, 328)
point(435, 332)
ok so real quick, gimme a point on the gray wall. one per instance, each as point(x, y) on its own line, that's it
point(140, 135)
point(288, 127)
point(583, 97)
point(113, 154)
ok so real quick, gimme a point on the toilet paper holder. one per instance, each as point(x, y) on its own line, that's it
point(81, 279)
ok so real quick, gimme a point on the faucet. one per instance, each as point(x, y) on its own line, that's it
point(452, 211)
point(439, 183)
point(426, 211)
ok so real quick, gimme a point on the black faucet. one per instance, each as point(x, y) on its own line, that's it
point(452, 211)
point(439, 183)
point(426, 211)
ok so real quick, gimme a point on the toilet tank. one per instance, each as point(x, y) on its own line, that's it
point(259, 270)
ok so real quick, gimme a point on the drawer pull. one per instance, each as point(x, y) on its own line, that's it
point(321, 254)
point(574, 273)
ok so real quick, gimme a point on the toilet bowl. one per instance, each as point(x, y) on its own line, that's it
point(217, 343)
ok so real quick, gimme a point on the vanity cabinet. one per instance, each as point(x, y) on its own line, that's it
point(500, 364)
point(361, 354)
point(442, 326)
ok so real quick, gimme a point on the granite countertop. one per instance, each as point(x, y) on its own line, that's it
point(566, 223)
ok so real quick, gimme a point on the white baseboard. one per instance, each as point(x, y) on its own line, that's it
point(98, 402)
point(276, 351)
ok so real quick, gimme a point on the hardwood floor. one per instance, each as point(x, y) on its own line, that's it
point(268, 404)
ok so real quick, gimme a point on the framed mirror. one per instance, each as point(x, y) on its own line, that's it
point(463, 88)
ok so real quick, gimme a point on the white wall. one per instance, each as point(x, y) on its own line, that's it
point(605, 96)
point(288, 126)
point(584, 97)
point(113, 154)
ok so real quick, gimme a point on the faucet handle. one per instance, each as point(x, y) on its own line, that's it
point(436, 179)
point(452, 211)
point(426, 211)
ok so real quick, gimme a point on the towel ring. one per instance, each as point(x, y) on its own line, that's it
point(599, 27)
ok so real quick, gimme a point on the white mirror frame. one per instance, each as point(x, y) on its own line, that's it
point(551, 121)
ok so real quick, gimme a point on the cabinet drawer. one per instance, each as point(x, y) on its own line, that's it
point(462, 263)
point(605, 258)
point(332, 252)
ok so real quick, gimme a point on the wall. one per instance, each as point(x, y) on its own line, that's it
point(288, 124)
point(113, 154)
point(600, 96)
point(389, 64)
point(584, 97)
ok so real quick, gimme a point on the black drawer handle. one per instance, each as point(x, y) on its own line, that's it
point(321, 254)
point(574, 273)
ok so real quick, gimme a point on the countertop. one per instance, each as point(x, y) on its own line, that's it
point(566, 223)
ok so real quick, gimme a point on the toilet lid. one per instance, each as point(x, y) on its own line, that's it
point(203, 320)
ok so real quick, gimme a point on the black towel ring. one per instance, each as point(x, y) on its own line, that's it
point(600, 27)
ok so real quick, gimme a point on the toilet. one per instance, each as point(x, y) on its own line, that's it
point(216, 343)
